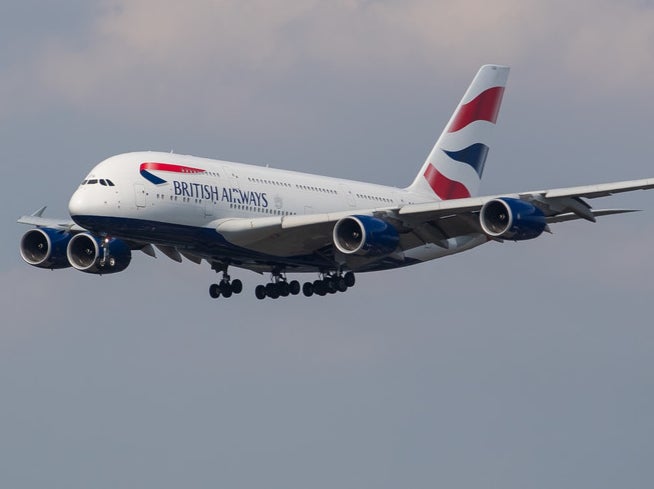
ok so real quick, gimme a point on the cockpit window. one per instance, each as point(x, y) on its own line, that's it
point(102, 181)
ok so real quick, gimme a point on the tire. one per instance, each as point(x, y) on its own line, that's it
point(307, 289)
point(237, 286)
point(295, 287)
point(319, 288)
point(214, 291)
point(260, 292)
point(284, 289)
point(226, 289)
point(272, 290)
point(349, 279)
point(341, 286)
point(330, 285)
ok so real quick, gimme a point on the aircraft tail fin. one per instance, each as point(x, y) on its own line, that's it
point(456, 163)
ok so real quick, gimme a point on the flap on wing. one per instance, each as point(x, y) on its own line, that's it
point(280, 235)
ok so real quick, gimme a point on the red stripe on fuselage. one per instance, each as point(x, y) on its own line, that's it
point(484, 107)
point(170, 167)
point(442, 186)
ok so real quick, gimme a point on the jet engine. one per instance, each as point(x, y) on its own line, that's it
point(90, 254)
point(45, 248)
point(515, 219)
point(365, 235)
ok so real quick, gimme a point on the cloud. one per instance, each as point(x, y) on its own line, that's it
point(221, 59)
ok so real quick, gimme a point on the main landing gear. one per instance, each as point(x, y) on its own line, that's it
point(277, 287)
point(328, 284)
point(226, 287)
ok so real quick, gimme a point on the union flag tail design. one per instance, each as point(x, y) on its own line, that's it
point(454, 167)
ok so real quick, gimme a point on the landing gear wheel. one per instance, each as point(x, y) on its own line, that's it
point(237, 286)
point(330, 285)
point(284, 289)
point(349, 279)
point(214, 291)
point(260, 292)
point(294, 287)
point(307, 289)
point(272, 290)
point(226, 289)
point(319, 288)
point(341, 286)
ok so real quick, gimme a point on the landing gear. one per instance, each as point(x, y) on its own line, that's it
point(329, 284)
point(226, 287)
point(277, 287)
point(280, 286)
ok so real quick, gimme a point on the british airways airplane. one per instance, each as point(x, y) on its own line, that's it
point(279, 222)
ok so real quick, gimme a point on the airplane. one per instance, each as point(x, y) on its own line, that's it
point(277, 222)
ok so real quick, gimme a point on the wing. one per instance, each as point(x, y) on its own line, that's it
point(418, 224)
point(37, 219)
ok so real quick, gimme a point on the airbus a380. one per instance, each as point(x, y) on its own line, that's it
point(278, 222)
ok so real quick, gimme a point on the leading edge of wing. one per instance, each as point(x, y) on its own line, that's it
point(598, 190)
point(37, 219)
point(446, 207)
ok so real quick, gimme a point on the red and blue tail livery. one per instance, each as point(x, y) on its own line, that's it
point(454, 167)
point(281, 223)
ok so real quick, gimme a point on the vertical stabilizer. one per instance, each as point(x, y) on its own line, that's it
point(454, 167)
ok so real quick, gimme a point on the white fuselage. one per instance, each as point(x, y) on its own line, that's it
point(159, 197)
point(224, 189)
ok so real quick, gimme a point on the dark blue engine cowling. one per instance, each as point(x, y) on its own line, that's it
point(91, 254)
point(45, 248)
point(365, 235)
point(514, 219)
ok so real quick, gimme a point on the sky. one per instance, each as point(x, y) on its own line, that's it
point(512, 365)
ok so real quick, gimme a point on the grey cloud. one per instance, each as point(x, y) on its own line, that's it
point(152, 55)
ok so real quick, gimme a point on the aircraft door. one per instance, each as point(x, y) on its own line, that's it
point(231, 177)
point(139, 195)
point(349, 196)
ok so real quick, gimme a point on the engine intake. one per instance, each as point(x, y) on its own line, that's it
point(365, 235)
point(45, 248)
point(514, 219)
point(90, 254)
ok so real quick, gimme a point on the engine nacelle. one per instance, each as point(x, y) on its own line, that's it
point(365, 235)
point(514, 219)
point(90, 254)
point(45, 248)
